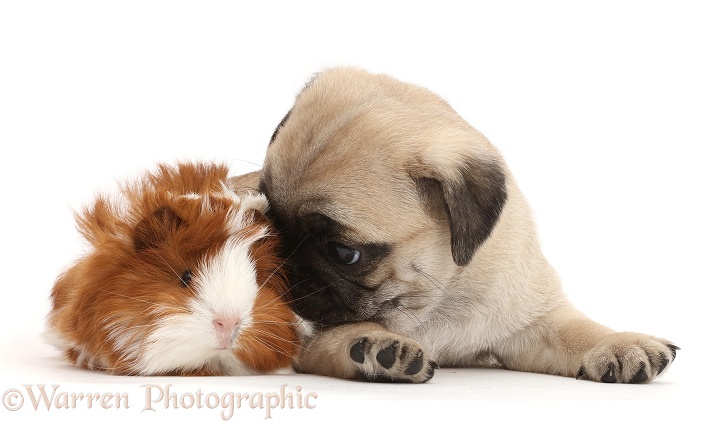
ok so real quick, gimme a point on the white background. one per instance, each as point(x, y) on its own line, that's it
point(611, 115)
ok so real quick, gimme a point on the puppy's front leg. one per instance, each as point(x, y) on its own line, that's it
point(567, 343)
point(366, 351)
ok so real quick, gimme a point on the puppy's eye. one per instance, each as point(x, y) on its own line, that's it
point(342, 254)
point(186, 278)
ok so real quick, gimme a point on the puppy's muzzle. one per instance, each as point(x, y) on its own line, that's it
point(322, 303)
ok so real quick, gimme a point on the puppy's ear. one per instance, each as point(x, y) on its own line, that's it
point(471, 196)
point(280, 125)
point(287, 116)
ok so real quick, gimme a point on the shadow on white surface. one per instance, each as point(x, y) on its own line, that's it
point(453, 393)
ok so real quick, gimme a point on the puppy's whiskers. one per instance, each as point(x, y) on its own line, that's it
point(253, 330)
point(248, 162)
point(286, 260)
point(279, 323)
point(255, 338)
point(410, 314)
point(431, 279)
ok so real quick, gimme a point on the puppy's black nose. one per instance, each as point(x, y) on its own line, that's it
point(298, 269)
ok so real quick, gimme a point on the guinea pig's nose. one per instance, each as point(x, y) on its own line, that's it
point(226, 324)
point(226, 329)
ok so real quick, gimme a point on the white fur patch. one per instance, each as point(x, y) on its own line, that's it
point(189, 195)
point(51, 337)
point(226, 285)
point(238, 218)
point(255, 202)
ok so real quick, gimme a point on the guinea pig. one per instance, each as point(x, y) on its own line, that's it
point(182, 277)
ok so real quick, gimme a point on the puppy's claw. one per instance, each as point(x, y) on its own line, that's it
point(627, 357)
point(664, 362)
point(673, 349)
point(432, 368)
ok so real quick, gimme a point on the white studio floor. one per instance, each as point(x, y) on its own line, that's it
point(453, 394)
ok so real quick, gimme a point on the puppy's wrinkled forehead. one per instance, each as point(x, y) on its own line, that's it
point(347, 141)
point(351, 210)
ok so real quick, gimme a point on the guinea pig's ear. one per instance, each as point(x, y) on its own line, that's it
point(470, 195)
point(155, 228)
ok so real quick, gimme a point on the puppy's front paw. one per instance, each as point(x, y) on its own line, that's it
point(627, 357)
point(391, 358)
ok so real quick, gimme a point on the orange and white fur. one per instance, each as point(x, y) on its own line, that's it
point(182, 278)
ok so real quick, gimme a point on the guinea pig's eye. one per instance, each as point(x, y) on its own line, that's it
point(342, 254)
point(186, 278)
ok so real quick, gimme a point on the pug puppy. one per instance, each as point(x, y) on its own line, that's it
point(410, 245)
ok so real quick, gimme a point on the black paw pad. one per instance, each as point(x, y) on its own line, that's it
point(641, 376)
point(580, 373)
point(358, 350)
point(609, 376)
point(415, 365)
point(387, 356)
